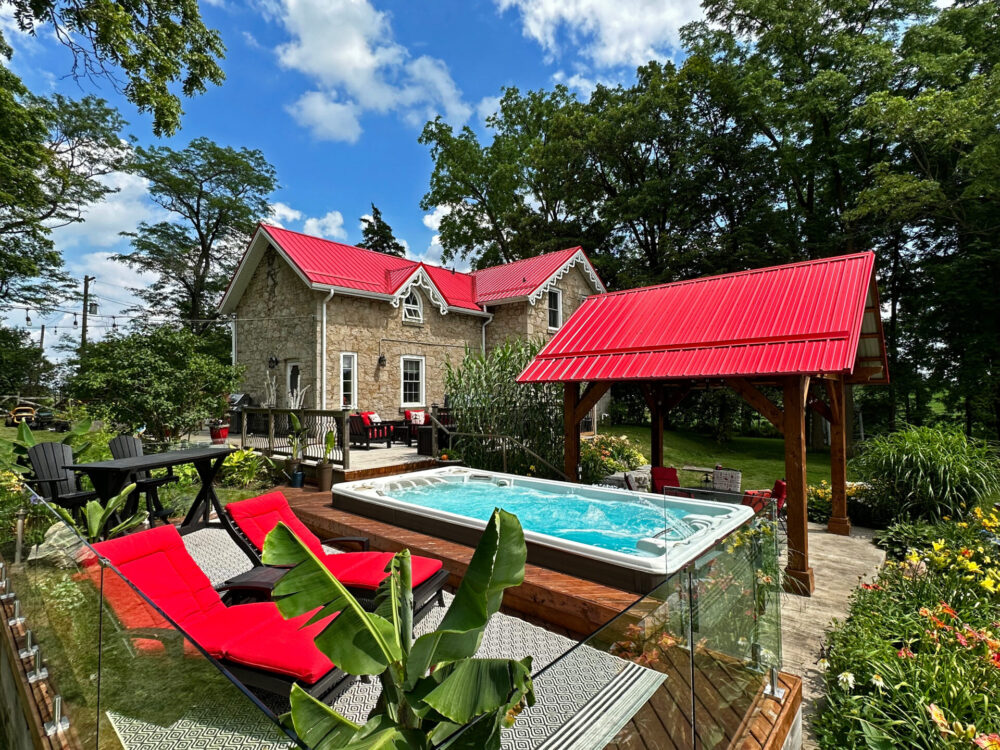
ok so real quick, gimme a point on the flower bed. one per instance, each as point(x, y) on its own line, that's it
point(917, 662)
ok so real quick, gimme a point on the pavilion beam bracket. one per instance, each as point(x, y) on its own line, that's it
point(590, 397)
point(767, 408)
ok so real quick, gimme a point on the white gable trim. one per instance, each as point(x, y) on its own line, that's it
point(577, 259)
point(420, 278)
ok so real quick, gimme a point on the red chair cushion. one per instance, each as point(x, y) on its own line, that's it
point(158, 564)
point(284, 648)
point(257, 516)
point(663, 476)
point(366, 570)
point(756, 499)
point(366, 417)
point(779, 493)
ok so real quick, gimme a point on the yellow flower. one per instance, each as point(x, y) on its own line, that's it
point(938, 545)
point(989, 584)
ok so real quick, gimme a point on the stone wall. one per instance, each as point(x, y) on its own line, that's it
point(278, 316)
point(370, 327)
point(522, 319)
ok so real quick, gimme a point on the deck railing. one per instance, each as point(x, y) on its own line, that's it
point(270, 431)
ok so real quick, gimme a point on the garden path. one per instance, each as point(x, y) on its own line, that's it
point(838, 562)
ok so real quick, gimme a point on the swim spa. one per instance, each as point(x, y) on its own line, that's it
point(629, 540)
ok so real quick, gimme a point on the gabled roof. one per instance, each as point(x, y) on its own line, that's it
point(324, 264)
point(802, 318)
point(523, 278)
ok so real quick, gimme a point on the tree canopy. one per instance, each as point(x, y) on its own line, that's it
point(787, 132)
point(158, 46)
point(174, 380)
point(214, 196)
point(377, 235)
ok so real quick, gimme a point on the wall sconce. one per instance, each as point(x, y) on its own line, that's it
point(272, 362)
point(381, 360)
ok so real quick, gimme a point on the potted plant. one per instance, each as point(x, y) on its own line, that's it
point(219, 430)
point(324, 469)
point(449, 457)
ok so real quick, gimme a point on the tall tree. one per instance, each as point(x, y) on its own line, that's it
point(157, 44)
point(23, 367)
point(377, 235)
point(214, 195)
point(54, 153)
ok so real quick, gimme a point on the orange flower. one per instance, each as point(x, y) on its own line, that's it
point(944, 607)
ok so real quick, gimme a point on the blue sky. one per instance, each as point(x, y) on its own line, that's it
point(335, 92)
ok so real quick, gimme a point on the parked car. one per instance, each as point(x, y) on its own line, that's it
point(20, 414)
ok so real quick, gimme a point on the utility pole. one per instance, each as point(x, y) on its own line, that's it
point(86, 307)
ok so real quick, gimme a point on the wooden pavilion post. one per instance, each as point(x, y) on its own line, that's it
point(571, 431)
point(839, 522)
point(798, 573)
point(656, 428)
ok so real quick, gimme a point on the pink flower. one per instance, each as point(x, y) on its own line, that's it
point(988, 741)
point(905, 653)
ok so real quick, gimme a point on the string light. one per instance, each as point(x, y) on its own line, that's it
point(27, 317)
point(74, 320)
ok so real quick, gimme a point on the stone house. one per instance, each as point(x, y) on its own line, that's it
point(362, 330)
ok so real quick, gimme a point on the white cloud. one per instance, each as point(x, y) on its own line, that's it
point(346, 48)
point(363, 220)
point(330, 226)
point(327, 119)
point(251, 41)
point(487, 106)
point(118, 212)
point(611, 33)
point(433, 220)
point(281, 212)
point(581, 82)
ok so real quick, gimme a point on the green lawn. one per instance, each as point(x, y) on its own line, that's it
point(762, 460)
point(41, 436)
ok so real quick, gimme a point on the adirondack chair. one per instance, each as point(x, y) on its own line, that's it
point(55, 482)
point(129, 446)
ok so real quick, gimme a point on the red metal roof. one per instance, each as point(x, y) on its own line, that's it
point(520, 278)
point(334, 264)
point(802, 318)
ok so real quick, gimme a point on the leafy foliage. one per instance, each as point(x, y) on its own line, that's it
point(23, 366)
point(607, 454)
point(246, 469)
point(94, 523)
point(215, 195)
point(377, 235)
point(432, 686)
point(485, 399)
point(927, 472)
point(917, 662)
point(174, 380)
point(53, 154)
point(157, 45)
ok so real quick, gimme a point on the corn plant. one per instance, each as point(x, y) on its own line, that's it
point(485, 398)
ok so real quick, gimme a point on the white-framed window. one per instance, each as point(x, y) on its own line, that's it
point(411, 380)
point(348, 380)
point(413, 308)
point(293, 380)
point(555, 309)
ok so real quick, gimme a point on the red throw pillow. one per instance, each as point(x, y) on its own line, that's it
point(407, 415)
point(366, 418)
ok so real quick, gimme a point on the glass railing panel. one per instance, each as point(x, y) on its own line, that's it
point(733, 599)
point(158, 689)
point(52, 609)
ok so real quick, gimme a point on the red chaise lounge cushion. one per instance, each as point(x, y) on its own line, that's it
point(158, 564)
point(257, 516)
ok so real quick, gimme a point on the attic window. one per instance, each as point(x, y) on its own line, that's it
point(413, 309)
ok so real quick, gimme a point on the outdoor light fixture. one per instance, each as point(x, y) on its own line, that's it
point(381, 360)
point(272, 362)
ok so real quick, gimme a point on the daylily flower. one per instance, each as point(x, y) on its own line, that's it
point(988, 741)
point(905, 653)
point(938, 717)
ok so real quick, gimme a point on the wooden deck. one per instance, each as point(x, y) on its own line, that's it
point(380, 461)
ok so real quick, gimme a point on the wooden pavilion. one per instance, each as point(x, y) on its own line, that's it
point(808, 328)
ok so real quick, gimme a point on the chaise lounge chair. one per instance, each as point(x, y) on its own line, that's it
point(360, 572)
point(253, 641)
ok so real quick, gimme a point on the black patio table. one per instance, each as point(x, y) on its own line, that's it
point(110, 477)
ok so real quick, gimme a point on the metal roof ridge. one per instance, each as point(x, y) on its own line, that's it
point(745, 272)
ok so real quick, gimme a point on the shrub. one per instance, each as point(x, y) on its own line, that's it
point(917, 662)
point(606, 455)
point(927, 472)
point(860, 508)
point(485, 398)
point(246, 469)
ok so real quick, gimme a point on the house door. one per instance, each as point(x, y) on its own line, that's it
point(293, 376)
